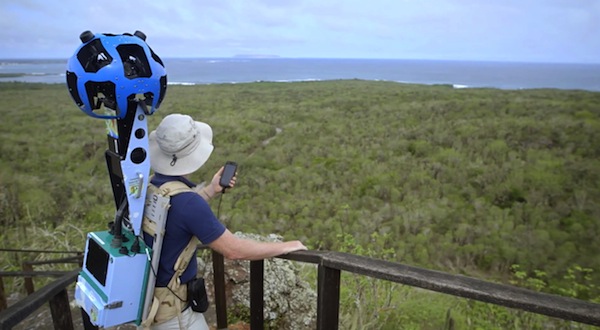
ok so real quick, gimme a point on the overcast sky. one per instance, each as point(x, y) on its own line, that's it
point(504, 30)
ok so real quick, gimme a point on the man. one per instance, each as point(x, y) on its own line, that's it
point(178, 147)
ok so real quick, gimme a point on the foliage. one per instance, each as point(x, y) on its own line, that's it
point(366, 303)
point(469, 181)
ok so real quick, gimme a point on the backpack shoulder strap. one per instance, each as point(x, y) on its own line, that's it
point(167, 189)
point(183, 261)
point(173, 188)
point(170, 189)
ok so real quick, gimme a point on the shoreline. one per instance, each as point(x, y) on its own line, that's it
point(459, 74)
point(6, 80)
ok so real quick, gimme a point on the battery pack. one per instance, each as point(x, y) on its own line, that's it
point(111, 286)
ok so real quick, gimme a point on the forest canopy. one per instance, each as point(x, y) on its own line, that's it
point(469, 181)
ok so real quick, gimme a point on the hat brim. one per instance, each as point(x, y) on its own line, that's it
point(161, 161)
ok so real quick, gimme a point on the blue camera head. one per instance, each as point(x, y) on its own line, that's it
point(108, 73)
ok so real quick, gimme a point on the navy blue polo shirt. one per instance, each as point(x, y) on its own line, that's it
point(188, 215)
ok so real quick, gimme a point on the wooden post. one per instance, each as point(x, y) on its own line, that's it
point(61, 311)
point(20, 310)
point(85, 318)
point(257, 301)
point(219, 281)
point(3, 304)
point(80, 259)
point(328, 300)
point(28, 280)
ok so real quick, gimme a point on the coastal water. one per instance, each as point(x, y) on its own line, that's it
point(460, 74)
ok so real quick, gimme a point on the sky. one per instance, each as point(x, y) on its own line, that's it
point(566, 31)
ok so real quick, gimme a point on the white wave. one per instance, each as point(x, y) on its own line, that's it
point(294, 80)
point(180, 83)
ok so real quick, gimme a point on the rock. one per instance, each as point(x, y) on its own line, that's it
point(289, 302)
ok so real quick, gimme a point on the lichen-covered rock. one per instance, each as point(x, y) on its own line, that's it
point(289, 302)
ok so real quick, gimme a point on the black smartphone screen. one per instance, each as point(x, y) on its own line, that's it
point(228, 173)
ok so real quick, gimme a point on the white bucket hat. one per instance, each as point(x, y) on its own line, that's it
point(179, 145)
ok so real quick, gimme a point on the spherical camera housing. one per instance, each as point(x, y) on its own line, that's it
point(109, 73)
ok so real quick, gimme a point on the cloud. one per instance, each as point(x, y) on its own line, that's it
point(528, 30)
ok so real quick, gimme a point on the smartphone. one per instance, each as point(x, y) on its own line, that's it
point(228, 174)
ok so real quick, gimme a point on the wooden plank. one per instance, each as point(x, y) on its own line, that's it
point(66, 260)
point(328, 299)
point(313, 257)
point(28, 281)
point(35, 251)
point(45, 273)
point(467, 287)
point(61, 311)
point(3, 303)
point(257, 302)
point(219, 281)
point(23, 308)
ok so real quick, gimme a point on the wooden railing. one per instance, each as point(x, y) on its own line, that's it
point(330, 266)
point(54, 293)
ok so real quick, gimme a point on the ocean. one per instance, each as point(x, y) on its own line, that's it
point(460, 74)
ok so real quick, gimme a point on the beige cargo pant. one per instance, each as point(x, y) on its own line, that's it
point(190, 320)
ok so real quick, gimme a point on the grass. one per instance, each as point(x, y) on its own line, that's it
point(470, 181)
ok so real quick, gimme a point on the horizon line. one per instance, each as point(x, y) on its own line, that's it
point(277, 57)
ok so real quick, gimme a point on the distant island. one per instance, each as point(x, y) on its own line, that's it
point(256, 56)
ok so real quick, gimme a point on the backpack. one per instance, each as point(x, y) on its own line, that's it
point(166, 302)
